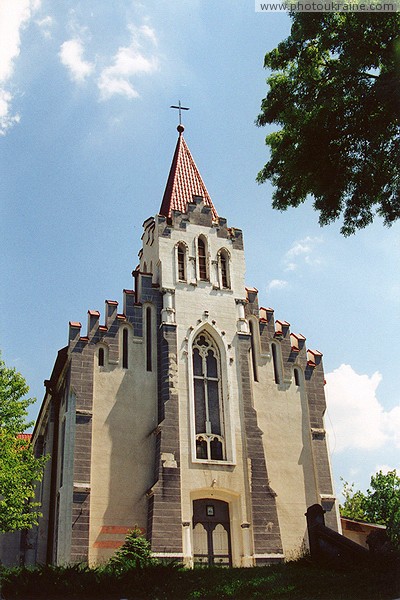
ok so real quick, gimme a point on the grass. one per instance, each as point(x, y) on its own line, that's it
point(299, 580)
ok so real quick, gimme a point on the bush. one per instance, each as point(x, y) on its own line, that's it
point(135, 553)
point(49, 581)
point(299, 580)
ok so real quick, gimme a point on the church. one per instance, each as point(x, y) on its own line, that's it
point(186, 410)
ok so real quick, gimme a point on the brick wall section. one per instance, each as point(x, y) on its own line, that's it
point(52, 514)
point(137, 321)
point(129, 304)
point(150, 511)
point(82, 383)
point(267, 538)
point(314, 380)
point(165, 505)
point(80, 526)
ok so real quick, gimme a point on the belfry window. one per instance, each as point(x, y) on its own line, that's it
point(209, 421)
point(181, 255)
point(223, 264)
point(202, 256)
point(224, 270)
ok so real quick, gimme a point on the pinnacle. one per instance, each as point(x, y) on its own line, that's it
point(184, 181)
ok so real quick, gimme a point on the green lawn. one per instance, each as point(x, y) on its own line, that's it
point(297, 580)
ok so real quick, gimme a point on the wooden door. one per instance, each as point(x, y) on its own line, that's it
point(211, 532)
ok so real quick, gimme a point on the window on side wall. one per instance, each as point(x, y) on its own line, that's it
point(101, 357)
point(276, 360)
point(149, 335)
point(125, 349)
point(253, 351)
point(297, 377)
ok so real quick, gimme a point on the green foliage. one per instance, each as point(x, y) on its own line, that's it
point(353, 506)
point(19, 469)
point(334, 93)
point(13, 405)
point(291, 581)
point(135, 553)
point(383, 503)
point(48, 581)
point(380, 504)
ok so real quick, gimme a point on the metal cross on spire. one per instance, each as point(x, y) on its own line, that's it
point(180, 108)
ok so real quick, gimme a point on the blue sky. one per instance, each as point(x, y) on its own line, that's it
point(86, 141)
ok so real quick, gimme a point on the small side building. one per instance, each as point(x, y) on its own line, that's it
point(358, 531)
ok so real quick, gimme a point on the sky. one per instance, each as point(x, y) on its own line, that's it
point(86, 141)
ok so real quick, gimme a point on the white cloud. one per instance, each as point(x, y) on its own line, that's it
point(129, 61)
point(358, 420)
point(71, 56)
point(148, 32)
point(392, 423)
point(276, 284)
point(45, 25)
point(302, 251)
point(6, 118)
point(14, 16)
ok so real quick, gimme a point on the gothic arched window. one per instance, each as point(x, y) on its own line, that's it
point(209, 420)
point(223, 260)
point(181, 255)
point(224, 270)
point(202, 256)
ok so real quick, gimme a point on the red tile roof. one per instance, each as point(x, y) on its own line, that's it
point(184, 181)
point(24, 436)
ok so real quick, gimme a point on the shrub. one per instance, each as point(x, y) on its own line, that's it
point(135, 553)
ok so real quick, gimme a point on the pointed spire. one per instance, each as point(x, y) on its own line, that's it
point(184, 181)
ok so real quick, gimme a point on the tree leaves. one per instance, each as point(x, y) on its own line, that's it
point(20, 470)
point(380, 504)
point(383, 505)
point(334, 91)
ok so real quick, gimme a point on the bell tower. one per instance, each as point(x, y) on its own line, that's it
point(208, 441)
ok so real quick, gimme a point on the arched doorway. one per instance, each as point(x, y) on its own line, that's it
point(211, 532)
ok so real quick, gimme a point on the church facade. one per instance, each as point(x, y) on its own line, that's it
point(188, 411)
